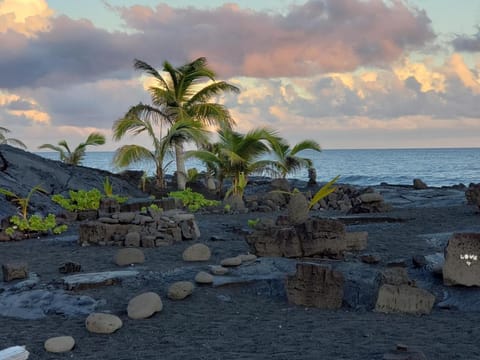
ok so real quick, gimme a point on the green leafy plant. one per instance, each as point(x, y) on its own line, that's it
point(193, 200)
point(35, 223)
point(108, 190)
point(79, 200)
point(253, 222)
point(239, 184)
point(324, 191)
point(192, 175)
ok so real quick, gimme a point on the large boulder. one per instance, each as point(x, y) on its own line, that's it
point(404, 299)
point(462, 265)
point(472, 194)
point(297, 209)
point(197, 252)
point(316, 236)
point(22, 170)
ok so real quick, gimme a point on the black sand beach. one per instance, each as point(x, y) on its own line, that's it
point(254, 320)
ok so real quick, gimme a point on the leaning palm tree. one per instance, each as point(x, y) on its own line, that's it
point(76, 156)
point(185, 93)
point(9, 141)
point(286, 160)
point(181, 131)
point(238, 155)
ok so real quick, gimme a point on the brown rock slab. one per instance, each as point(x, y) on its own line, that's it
point(315, 285)
point(101, 323)
point(59, 344)
point(404, 299)
point(15, 270)
point(247, 257)
point(394, 276)
point(462, 260)
point(370, 197)
point(144, 305)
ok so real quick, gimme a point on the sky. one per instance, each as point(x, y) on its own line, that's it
point(347, 73)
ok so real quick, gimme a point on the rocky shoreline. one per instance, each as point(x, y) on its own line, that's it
point(218, 289)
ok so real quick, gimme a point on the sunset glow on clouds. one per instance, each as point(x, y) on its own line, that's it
point(348, 73)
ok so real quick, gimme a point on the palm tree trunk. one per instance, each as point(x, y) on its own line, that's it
point(181, 170)
point(159, 178)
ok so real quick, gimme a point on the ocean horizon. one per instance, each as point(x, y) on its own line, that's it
point(363, 167)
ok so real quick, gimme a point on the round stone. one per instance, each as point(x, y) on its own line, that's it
point(101, 323)
point(232, 261)
point(128, 256)
point(204, 278)
point(144, 305)
point(247, 257)
point(197, 252)
point(180, 290)
point(59, 344)
point(218, 270)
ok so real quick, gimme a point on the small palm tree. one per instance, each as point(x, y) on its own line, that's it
point(286, 159)
point(185, 93)
point(9, 141)
point(238, 155)
point(76, 156)
point(184, 131)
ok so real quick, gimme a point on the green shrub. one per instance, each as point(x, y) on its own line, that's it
point(193, 200)
point(35, 223)
point(79, 200)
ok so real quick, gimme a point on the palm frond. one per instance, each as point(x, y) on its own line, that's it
point(130, 154)
point(95, 139)
point(305, 145)
point(211, 90)
point(143, 66)
point(15, 142)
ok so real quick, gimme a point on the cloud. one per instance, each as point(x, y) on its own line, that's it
point(27, 17)
point(467, 43)
point(318, 36)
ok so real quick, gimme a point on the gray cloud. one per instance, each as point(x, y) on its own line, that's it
point(467, 43)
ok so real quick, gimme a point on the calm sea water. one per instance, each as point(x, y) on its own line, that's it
point(436, 167)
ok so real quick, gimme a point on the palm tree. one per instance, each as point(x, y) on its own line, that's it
point(9, 141)
point(181, 131)
point(183, 93)
point(286, 159)
point(238, 155)
point(76, 156)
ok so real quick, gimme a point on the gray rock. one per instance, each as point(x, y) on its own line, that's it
point(462, 260)
point(101, 323)
point(144, 305)
point(94, 280)
point(180, 290)
point(418, 184)
point(231, 261)
point(203, 277)
point(197, 252)
point(15, 270)
point(59, 344)
point(404, 299)
point(132, 239)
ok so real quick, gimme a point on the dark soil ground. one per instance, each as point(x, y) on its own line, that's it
point(237, 321)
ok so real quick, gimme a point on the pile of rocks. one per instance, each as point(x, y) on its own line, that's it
point(139, 224)
point(346, 198)
point(140, 229)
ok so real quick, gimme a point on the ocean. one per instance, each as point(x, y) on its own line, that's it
point(436, 167)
